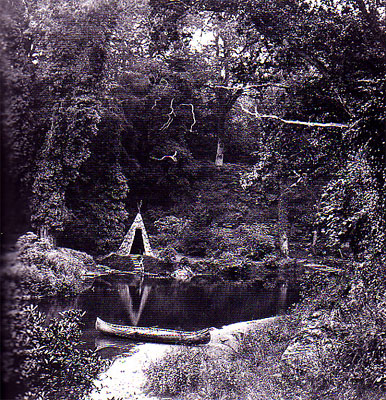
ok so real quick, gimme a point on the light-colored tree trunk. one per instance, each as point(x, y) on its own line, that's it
point(314, 241)
point(220, 152)
point(220, 127)
point(44, 233)
point(282, 221)
point(282, 300)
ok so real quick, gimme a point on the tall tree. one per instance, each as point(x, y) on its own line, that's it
point(219, 59)
point(340, 46)
point(65, 44)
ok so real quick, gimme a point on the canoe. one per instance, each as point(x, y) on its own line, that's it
point(159, 335)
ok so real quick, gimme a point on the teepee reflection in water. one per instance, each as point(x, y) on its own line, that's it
point(129, 300)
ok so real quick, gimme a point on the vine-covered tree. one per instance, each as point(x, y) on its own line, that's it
point(64, 47)
point(70, 64)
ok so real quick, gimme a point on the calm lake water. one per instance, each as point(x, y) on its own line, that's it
point(168, 304)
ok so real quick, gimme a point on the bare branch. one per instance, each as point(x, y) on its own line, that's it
point(170, 117)
point(172, 157)
point(155, 102)
point(193, 115)
point(247, 87)
point(299, 180)
point(296, 122)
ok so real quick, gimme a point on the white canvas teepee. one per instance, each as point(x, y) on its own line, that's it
point(137, 228)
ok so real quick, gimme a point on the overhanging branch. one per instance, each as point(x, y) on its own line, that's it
point(296, 122)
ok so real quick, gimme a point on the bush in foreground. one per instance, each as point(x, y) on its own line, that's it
point(340, 352)
point(43, 359)
point(186, 371)
point(256, 369)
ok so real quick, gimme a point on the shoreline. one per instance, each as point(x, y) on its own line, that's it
point(125, 378)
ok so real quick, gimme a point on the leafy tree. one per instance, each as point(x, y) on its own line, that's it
point(51, 134)
point(339, 48)
point(75, 107)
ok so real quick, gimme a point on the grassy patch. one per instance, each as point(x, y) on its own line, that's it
point(256, 370)
point(202, 373)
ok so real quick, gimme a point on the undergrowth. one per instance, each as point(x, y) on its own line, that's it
point(43, 270)
point(42, 359)
point(237, 373)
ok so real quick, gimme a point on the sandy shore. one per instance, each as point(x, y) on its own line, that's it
point(125, 377)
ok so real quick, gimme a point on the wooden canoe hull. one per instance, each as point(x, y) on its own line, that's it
point(158, 335)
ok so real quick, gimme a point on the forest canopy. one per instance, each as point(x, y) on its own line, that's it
point(108, 102)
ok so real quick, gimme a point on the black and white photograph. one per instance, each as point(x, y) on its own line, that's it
point(193, 199)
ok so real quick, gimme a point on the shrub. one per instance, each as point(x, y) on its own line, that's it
point(232, 268)
point(268, 340)
point(259, 240)
point(43, 357)
point(224, 379)
point(362, 349)
point(197, 242)
point(347, 336)
point(171, 225)
point(168, 255)
point(155, 265)
point(193, 369)
point(253, 241)
point(170, 231)
point(363, 323)
point(42, 269)
point(234, 374)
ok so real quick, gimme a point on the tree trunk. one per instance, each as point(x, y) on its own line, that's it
point(314, 241)
point(282, 221)
point(45, 234)
point(282, 301)
point(220, 152)
point(221, 116)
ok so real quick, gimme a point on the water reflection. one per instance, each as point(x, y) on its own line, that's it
point(105, 342)
point(140, 294)
point(170, 304)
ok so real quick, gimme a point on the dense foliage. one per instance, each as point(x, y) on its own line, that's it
point(245, 126)
point(43, 358)
point(41, 269)
point(344, 320)
point(98, 93)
